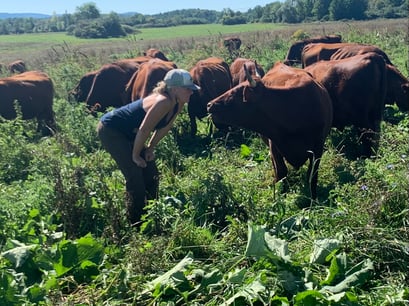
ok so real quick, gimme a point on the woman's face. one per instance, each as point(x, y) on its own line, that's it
point(183, 94)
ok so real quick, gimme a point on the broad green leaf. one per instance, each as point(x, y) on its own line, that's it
point(20, 254)
point(309, 298)
point(357, 276)
point(251, 292)
point(36, 293)
point(90, 249)
point(262, 244)
point(322, 248)
point(279, 301)
point(236, 277)
point(212, 278)
point(278, 246)
point(73, 253)
point(336, 269)
point(172, 275)
point(8, 288)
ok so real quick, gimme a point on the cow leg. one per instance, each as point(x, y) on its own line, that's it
point(312, 172)
point(280, 168)
point(193, 126)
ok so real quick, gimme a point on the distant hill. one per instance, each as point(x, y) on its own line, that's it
point(23, 15)
point(42, 16)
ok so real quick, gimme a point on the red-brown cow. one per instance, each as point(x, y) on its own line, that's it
point(146, 78)
point(109, 83)
point(293, 56)
point(397, 88)
point(214, 78)
point(232, 43)
point(313, 53)
point(238, 73)
point(357, 87)
point(155, 53)
point(18, 66)
point(81, 90)
point(295, 117)
point(34, 92)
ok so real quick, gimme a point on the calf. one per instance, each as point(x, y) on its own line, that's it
point(295, 118)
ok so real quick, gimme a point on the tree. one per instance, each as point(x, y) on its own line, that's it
point(112, 25)
point(347, 9)
point(288, 13)
point(304, 9)
point(320, 9)
point(87, 11)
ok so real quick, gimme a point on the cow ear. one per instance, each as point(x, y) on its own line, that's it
point(248, 77)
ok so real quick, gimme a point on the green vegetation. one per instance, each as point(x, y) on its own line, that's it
point(220, 232)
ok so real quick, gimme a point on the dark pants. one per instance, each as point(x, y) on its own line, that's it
point(141, 183)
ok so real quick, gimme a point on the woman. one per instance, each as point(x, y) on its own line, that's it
point(124, 133)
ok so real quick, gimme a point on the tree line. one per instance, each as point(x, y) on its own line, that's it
point(88, 22)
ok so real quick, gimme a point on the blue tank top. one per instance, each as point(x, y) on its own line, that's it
point(129, 117)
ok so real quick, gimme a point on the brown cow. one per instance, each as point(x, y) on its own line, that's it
point(397, 88)
point(313, 53)
point(238, 73)
point(81, 90)
point(232, 43)
point(357, 86)
point(17, 67)
point(293, 56)
point(34, 92)
point(214, 78)
point(109, 83)
point(155, 53)
point(296, 118)
point(146, 78)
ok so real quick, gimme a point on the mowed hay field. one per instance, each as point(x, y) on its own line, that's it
point(220, 233)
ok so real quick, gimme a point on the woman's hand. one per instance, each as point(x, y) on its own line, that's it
point(139, 161)
point(149, 154)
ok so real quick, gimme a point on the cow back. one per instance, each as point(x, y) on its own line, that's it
point(148, 76)
point(294, 52)
point(357, 49)
point(313, 53)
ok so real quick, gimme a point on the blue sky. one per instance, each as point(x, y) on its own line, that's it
point(121, 6)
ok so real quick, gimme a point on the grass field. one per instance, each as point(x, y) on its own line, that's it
point(26, 44)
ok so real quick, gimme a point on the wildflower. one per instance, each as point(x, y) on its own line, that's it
point(364, 187)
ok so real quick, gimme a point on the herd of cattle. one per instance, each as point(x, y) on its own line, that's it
point(322, 83)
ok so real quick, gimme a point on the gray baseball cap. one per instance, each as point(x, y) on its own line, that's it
point(180, 78)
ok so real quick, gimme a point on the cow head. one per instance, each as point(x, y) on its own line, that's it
point(237, 106)
point(398, 88)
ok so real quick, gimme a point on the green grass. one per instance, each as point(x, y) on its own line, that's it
point(26, 43)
